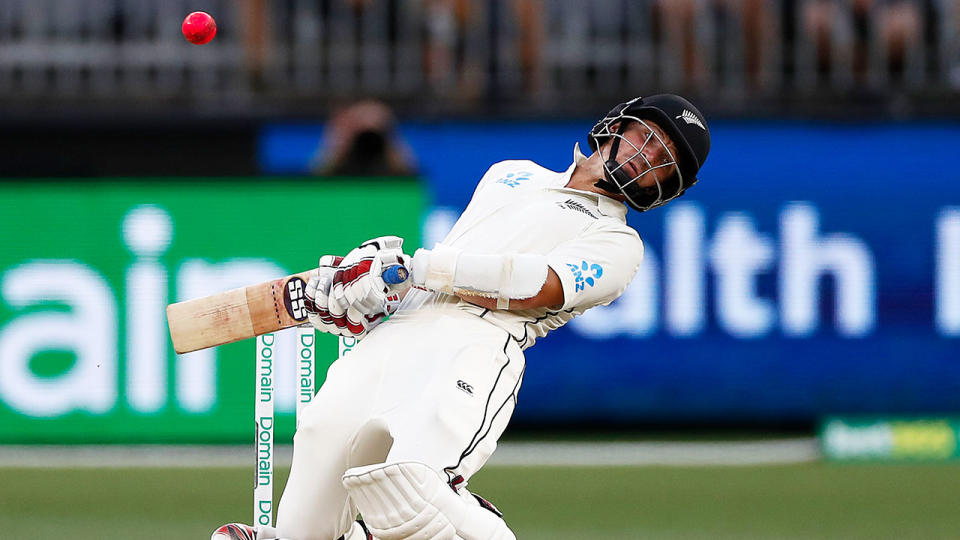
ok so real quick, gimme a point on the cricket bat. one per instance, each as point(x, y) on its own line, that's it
point(246, 312)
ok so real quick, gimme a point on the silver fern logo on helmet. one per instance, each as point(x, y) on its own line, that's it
point(691, 118)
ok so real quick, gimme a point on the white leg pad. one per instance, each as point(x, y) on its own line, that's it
point(409, 500)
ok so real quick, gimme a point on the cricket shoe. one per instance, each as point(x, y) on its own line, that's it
point(234, 531)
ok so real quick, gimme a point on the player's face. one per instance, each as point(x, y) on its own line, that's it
point(645, 153)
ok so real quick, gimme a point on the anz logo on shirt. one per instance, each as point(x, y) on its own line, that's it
point(585, 274)
point(515, 179)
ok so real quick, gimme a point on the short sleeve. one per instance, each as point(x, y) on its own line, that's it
point(512, 174)
point(492, 174)
point(597, 266)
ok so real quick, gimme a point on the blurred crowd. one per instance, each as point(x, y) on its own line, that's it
point(756, 41)
point(471, 51)
point(852, 35)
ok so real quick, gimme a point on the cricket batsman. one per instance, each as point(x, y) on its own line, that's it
point(402, 423)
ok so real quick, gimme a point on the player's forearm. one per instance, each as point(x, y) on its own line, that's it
point(550, 296)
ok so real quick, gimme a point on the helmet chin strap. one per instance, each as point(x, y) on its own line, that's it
point(606, 182)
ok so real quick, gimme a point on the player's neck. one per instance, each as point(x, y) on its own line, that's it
point(586, 174)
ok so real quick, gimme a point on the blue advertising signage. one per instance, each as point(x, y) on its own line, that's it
point(814, 270)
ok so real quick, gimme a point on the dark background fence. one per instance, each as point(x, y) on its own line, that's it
point(516, 57)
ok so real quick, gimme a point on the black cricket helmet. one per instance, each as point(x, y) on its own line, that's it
point(682, 123)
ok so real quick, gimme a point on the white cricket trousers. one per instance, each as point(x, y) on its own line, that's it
point(435, 385)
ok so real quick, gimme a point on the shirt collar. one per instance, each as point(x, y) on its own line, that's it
point(607, 206)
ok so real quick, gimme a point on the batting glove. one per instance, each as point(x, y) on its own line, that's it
point(317, 294)
point(327, 314)
point(358, 282)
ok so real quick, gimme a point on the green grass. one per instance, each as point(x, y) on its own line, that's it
point(797, 501)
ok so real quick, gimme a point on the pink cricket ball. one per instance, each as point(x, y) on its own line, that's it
point(199, 28)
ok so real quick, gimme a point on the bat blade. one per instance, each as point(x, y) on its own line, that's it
point(238, 314)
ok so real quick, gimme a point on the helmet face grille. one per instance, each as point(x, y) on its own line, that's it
point(628, 168)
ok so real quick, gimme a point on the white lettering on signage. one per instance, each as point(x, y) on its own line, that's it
point(147, 233)
point(87, 325)
point(806, 258)
point(684, 274)
point(738, 255)
point(88, 331)
point(947, 286)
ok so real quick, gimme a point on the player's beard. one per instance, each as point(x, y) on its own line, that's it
point(617, 180)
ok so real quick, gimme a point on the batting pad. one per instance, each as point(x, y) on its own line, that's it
point(411, 500)
point(398, 501)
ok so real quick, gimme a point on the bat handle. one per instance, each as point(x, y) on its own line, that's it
point(395, 274)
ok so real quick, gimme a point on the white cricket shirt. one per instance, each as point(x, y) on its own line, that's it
point(521, 207)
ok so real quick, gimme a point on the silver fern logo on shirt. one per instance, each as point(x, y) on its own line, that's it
point(571, 204)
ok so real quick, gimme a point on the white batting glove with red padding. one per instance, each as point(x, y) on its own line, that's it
point(358, 283)
point(317, 294)
point(327, 314)
point(351, 323)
